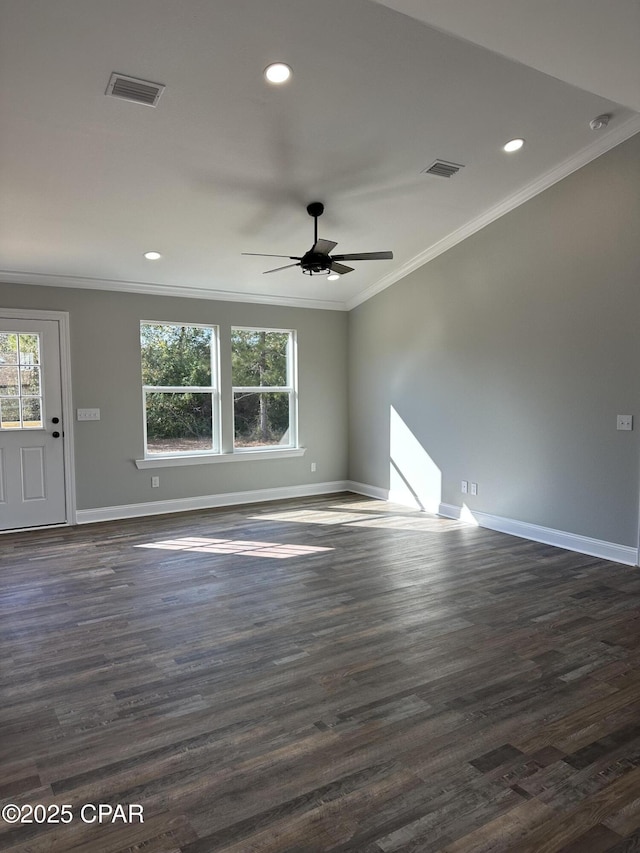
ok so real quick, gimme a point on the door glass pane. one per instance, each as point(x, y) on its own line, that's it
point(261, 420)
point(31, 412)
point(29, 349)
point(20, 381)
point(8, 348)
point(10, 413)
point(180, 422)
point(30, 380)
point(9, 381)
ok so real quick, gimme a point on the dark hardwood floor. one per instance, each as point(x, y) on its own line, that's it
point(331, 674)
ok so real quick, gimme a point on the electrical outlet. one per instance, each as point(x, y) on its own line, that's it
point(155, 482)
point(474, 488)
point(625, 422)
point(314, 467)
point(464, 487)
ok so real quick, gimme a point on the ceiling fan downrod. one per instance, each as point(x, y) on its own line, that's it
point(315, 209)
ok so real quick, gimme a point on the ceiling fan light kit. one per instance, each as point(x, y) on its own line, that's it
point(318, 260)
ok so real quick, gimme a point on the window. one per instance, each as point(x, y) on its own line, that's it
point(180, 387)
point(20, 387)
point(264, 388)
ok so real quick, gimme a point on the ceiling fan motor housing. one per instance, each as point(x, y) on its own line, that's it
point(315, 262)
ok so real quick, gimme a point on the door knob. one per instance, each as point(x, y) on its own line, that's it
point(55, 434)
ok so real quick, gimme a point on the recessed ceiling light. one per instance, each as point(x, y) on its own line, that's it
point(513, 145)
point(334, 276)
point(277, 72)
point(152, 256)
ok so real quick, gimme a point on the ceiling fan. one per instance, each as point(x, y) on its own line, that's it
point(318, 261)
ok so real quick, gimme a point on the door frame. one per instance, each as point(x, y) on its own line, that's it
point(62, 319)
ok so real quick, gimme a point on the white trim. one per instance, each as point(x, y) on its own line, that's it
point(368, 491)
point(559, 538)
point(45, 280)
point(207, 459)
point(533, 532)
point(558, 173)
point(571, 164)
point(114, 513)
point(62, 319)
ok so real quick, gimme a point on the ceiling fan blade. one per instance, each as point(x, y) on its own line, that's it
point(340, 268)
point(261, 255)
point(277, 269)
point(365, 256)
point(323, 247)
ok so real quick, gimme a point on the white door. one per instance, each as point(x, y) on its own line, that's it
point(32, 485)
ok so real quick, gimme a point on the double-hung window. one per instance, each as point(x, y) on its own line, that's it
point(264, 376)
point(180, 389)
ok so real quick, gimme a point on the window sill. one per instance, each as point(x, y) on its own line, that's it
point(210, 458)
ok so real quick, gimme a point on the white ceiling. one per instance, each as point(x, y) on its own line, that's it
point(226, 164)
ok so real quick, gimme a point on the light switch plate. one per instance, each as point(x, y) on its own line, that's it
point(88, 414)
point(625, 422)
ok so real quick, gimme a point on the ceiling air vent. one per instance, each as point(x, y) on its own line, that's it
point(442, 169)
point(132, 89)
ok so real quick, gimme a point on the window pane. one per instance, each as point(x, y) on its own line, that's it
point(30, 380)
point(261, 420)
point(10, 413)
point(179, 423)
point(9, 381)
point(175, 355)
point(259, 358)
point(31, 412)
point(8, 348)
point(29, 349)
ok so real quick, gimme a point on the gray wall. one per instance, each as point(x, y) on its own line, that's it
point(503, 362)
point(508, 357)
point(105, 355)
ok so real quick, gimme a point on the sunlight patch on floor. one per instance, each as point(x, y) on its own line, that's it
point(416, 524)
point(201, 545)
point(380, 515)
point(310, 516)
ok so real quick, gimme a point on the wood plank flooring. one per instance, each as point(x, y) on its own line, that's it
point(330, 674)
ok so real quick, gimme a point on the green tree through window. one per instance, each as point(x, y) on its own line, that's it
point(264, 387)
point(179, 375)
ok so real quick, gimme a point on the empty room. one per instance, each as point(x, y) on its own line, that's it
point(319, 416)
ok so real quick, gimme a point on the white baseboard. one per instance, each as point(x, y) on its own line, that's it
point(115, 513)
point(559, 538)
point(534, 532)
point(367, 491)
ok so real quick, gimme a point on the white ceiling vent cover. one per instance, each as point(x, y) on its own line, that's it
point(442, 169)
point(132, 89)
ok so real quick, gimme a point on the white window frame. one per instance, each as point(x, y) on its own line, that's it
point(291, 388)
point(213, 389)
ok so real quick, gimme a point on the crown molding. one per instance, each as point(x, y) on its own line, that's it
point(577, 161)
point(581, 158)
point(150, 289)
